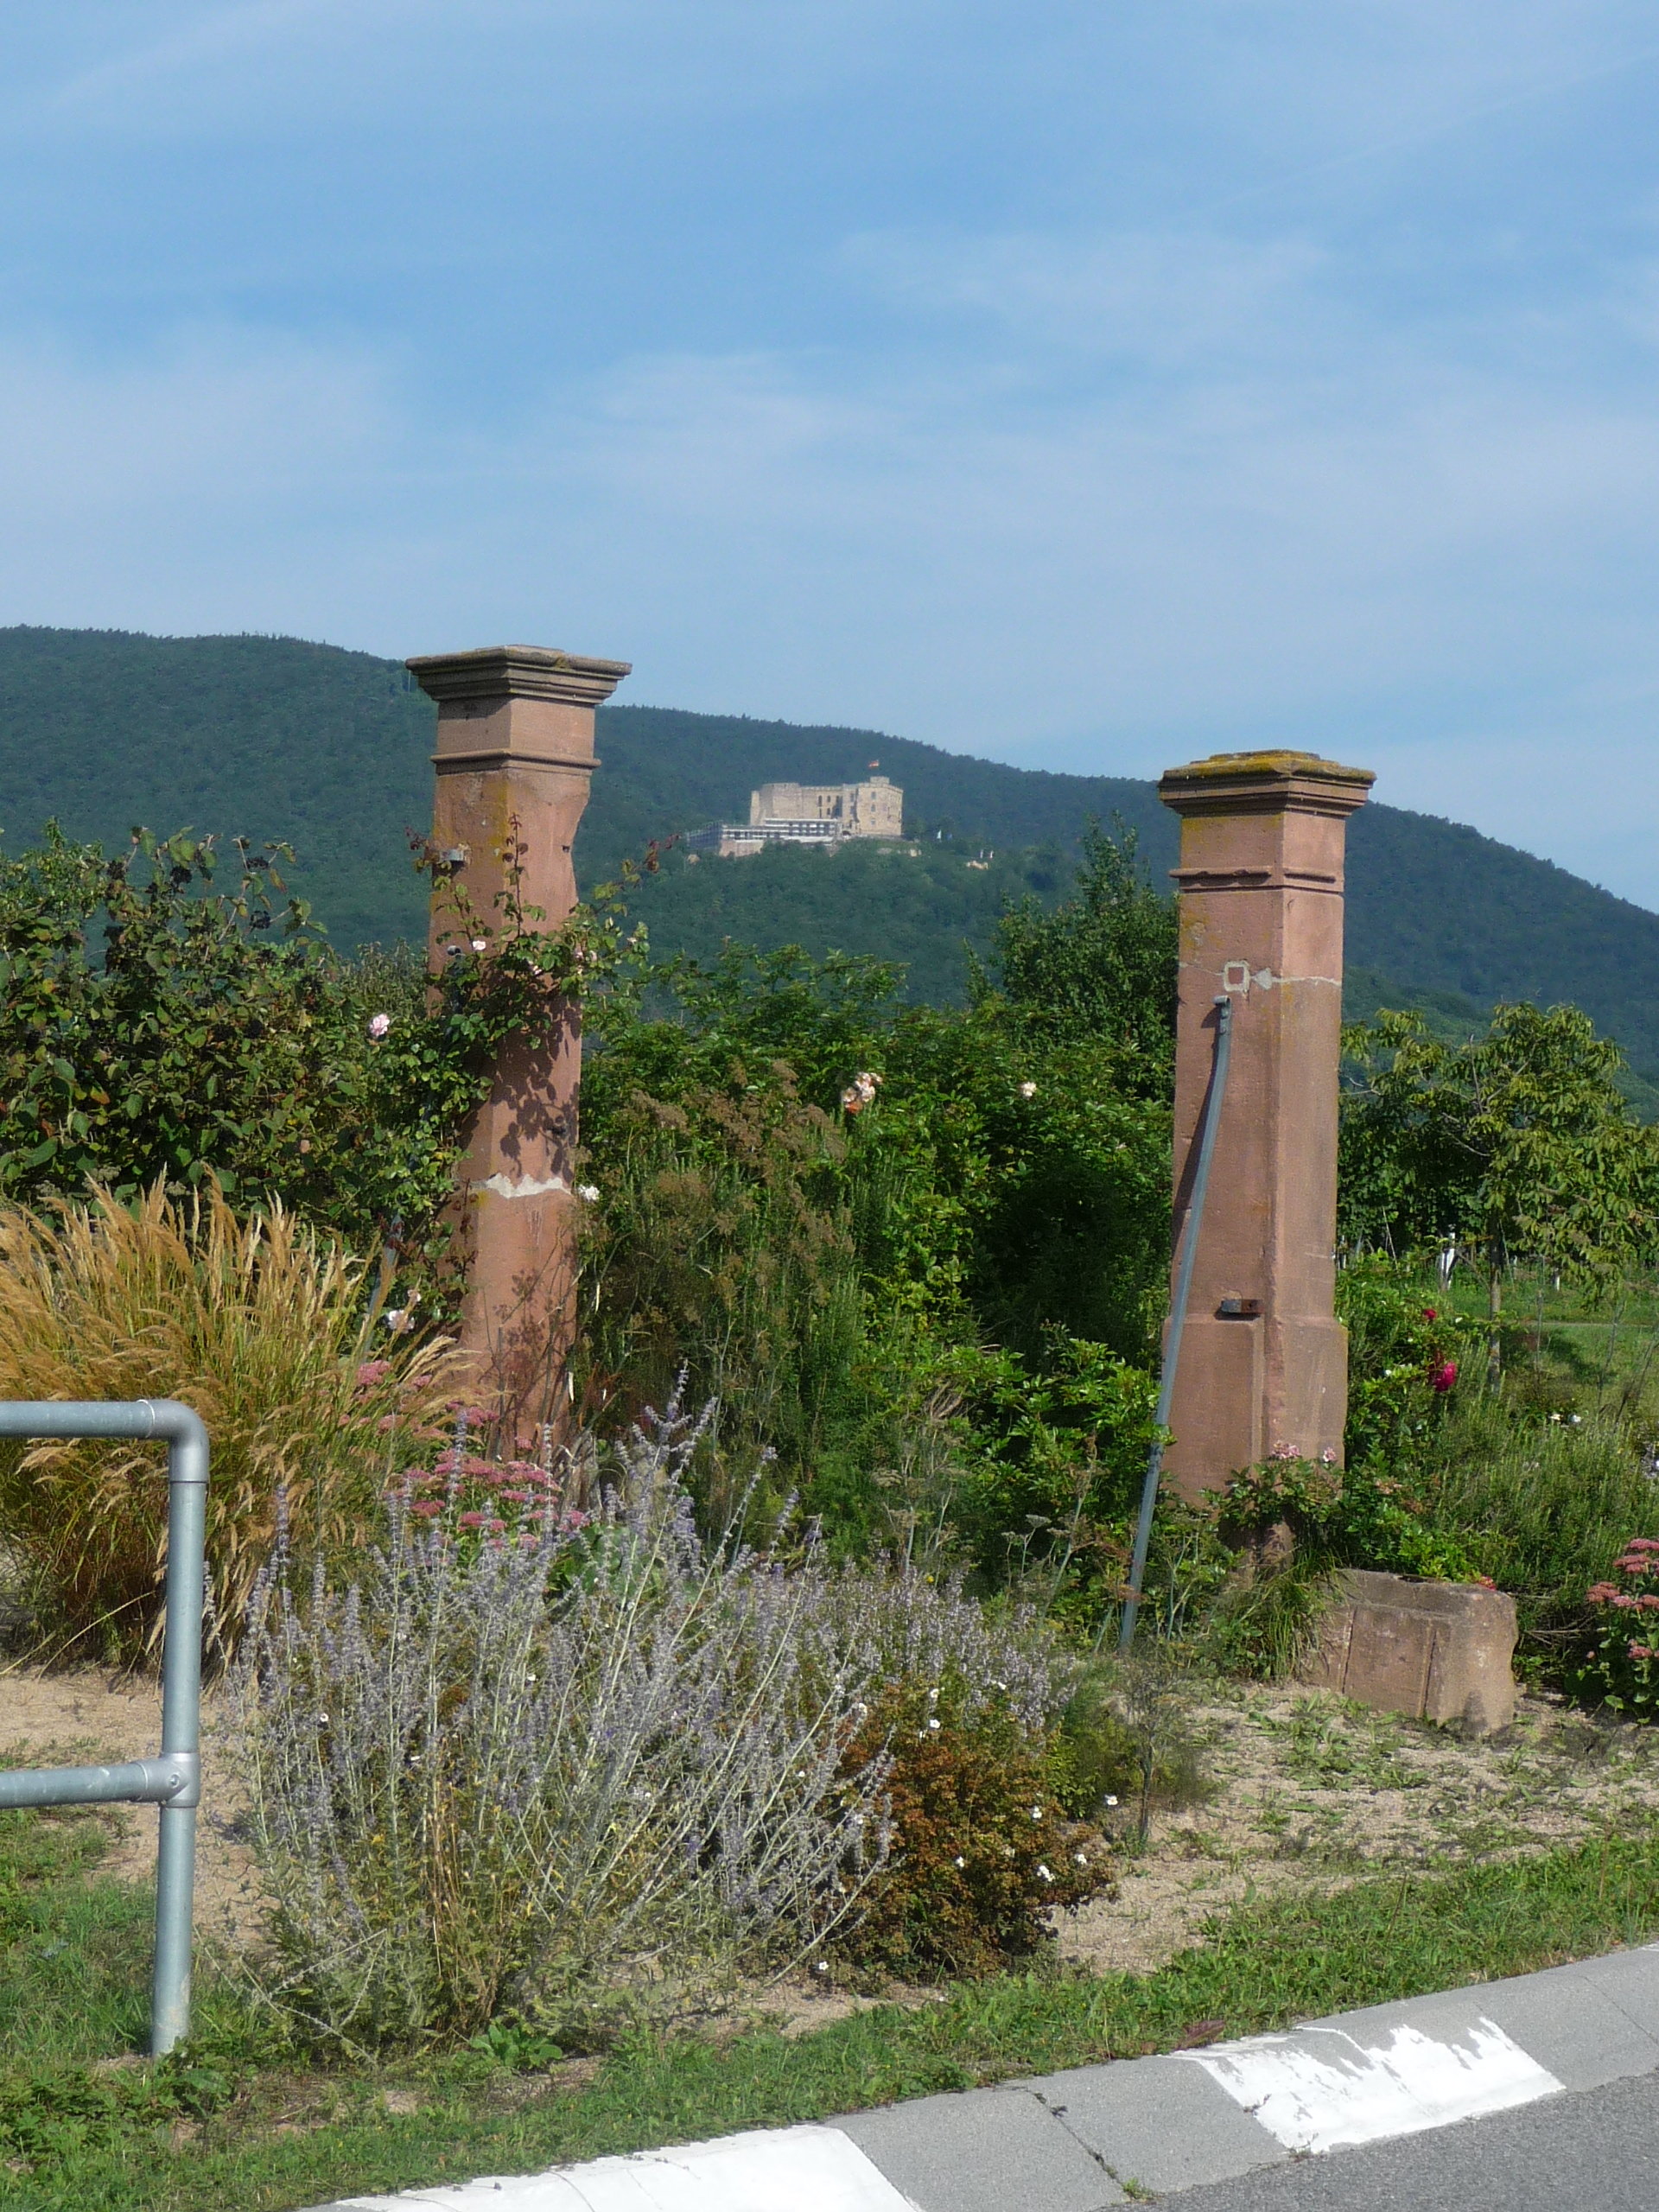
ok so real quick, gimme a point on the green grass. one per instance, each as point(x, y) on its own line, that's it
point(74, 1950)
point(236, 2122)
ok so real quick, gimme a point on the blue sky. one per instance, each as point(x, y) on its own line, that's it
point(1085, 385)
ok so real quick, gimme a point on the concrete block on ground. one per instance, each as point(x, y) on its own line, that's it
point(1157, 2122)
point(1431, 1650)
point(982, 2151)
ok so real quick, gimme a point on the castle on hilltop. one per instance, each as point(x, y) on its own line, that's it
point(823, 815)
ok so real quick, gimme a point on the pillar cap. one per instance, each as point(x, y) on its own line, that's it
point(1265, 783)
point(517, 673)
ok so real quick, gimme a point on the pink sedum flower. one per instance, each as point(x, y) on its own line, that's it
point(379, 1025)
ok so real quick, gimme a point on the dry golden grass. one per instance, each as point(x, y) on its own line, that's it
point(264, 1328)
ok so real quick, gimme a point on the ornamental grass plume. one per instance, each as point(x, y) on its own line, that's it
point(577, 1766)
point(260, 1325)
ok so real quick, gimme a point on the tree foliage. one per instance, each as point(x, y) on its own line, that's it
point(1517, 1145)
point(156, 1029)
point(1101, 968)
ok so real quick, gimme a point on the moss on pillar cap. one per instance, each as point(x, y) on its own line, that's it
point(1265, 782)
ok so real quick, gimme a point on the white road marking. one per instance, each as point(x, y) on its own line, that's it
point(774, 2170)
point(1343, 2091)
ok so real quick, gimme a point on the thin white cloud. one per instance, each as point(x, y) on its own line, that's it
point(1159, 298)
point(1148, 403)
point(164, 73)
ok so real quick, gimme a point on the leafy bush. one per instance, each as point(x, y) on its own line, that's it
point(723, 1254)
point(261, 1326)
point(982, 1850)
point(824, 1205)
point(1517, 1145)
point(1626, 1661)
point(1407, 1354)
point(213, 1035)
point(1359, 1516)
point(1052, 1469)
point(1103, 967)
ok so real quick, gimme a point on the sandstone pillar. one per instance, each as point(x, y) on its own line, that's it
point(1264, 1362)
point(515, 752)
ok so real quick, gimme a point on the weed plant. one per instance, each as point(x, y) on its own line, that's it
point(1126, 1743)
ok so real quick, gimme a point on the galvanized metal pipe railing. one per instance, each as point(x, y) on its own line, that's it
point(173, 1780)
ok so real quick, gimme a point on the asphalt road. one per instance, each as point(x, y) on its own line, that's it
point(1597, 2150)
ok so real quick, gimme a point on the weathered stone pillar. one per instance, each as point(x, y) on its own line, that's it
point(515, 753)
point(1264, 1362)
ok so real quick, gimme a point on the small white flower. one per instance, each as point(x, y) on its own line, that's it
point(1080, 1859)
point(379, 1025)
point(1036, 1812)
point(1111, 1801)
point(932, 1697)
point(932, 1724)
point(589, 1192)
point(481, 944)
point(962, 1862)
point(1044, 1872)
point(824, 1965)
point(1027, 1090)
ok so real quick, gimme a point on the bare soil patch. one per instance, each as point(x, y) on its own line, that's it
point(1310, 1791)
point(83, 1715)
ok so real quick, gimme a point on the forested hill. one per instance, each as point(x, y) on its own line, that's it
point(330, 750)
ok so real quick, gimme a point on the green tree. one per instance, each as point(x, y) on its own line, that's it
point(1517, 1145)
point(1100, 968)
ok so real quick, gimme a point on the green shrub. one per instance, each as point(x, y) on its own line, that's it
point(1410, 1352)
point(1357, 1516)
point(213, 1035)
point(982, 1847)
point(1624, 1664)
